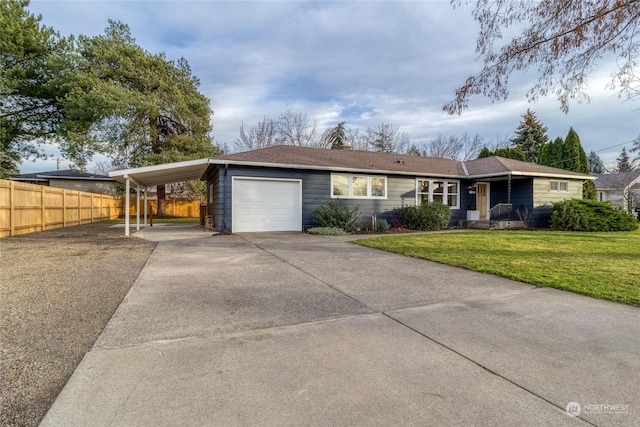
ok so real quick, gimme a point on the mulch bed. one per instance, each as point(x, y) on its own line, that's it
point(58, 290)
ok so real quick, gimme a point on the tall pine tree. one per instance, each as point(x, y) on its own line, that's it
point(531, 136)
point(575, 159)
point(136, 107)
point(551, 154)
point(596, 166)
point(623, 162)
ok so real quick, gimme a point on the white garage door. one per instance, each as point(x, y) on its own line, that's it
point(266, 205)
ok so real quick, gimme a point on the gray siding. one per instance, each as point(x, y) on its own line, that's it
point(316, 188)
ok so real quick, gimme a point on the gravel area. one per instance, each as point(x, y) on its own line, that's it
point(58, 290)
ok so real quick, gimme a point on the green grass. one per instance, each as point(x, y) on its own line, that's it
point(601, 265)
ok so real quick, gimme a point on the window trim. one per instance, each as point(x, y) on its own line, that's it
point(445, 193)
point(350, 187)
point(558, 186)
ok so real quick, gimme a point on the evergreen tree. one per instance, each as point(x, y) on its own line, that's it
point(623, 162)
point(531, 136)
point(596, 166)
point(551, 154)
point(335, 138)
point(508, 153)
point(485, 152)
point(136, 107)
point(32, 79)
point(575, 159)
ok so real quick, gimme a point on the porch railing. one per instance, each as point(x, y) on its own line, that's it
point(501, 212)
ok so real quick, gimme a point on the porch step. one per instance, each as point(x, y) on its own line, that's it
point(484, 224)
point(488, 225)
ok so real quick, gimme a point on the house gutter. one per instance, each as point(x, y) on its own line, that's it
point(224, 197)
point(392, 172)
point(329, 168)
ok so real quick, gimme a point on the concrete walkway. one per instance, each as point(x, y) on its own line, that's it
point(291, 329)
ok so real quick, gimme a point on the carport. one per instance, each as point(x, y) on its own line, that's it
point(150, 176)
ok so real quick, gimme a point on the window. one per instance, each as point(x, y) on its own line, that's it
point(442, 191)
point(559, 186)
point(210, 193)
point(358, 186)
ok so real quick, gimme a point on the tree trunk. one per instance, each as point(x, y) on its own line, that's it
point(160, 191)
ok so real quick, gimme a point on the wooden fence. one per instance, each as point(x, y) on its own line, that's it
point(173, 207)
point(26, 208)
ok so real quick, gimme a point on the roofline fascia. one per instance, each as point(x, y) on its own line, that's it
point(155, 168)
point(330, 168)
point(388, 172)
point(532, 174)
point(27, 179)
point(76, 177)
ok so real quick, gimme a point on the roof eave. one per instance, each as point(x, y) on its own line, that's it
point(531, 174)
point(331, 168)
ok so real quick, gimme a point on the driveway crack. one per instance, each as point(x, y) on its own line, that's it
point(372, 310)
point(478, 364)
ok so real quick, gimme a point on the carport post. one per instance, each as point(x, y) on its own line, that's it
point(127, 186)
point(145, 207)
point(137, 208)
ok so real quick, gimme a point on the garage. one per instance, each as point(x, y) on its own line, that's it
point(261, 204)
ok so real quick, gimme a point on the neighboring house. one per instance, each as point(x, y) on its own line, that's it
point(620, 189)
point(70, 180)
point(278, 188)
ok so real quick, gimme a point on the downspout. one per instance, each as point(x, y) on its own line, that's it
point(224, 197)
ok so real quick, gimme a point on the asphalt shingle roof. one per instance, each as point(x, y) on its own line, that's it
point(68, 173)
point(368, 160)
point(616, 180)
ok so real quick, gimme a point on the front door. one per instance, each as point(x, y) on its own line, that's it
point(481, 200)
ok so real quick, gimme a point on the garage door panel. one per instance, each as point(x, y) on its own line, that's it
point(266, 205)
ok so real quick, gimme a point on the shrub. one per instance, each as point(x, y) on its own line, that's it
point(590, 215)
point(327, 231)
point(428, 216)
point(382, 225)
point(335, 213)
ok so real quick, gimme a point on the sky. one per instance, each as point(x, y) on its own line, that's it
point(361, 62)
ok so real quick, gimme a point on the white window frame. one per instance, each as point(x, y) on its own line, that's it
point(558, 185)
point(445, 193)
point(350, 186)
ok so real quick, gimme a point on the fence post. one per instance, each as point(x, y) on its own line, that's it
point(79, 208)
point(64, 208)
point(11, 209)
point(42, 207)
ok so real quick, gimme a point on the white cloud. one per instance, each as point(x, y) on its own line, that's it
point(359, 62)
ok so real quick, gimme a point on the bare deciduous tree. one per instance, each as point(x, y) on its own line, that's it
point(102, 167)
point(387, 138)
point(296, 128)
point(465, 147)
point(562, 39)
point(262, 135)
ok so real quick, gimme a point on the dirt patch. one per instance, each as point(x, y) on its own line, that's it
point(58, 290)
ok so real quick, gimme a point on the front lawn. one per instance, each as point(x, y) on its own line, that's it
point(601, 265)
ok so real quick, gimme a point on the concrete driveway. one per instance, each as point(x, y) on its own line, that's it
point(292, 329)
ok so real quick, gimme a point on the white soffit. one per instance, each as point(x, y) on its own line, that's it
point(163, 174)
